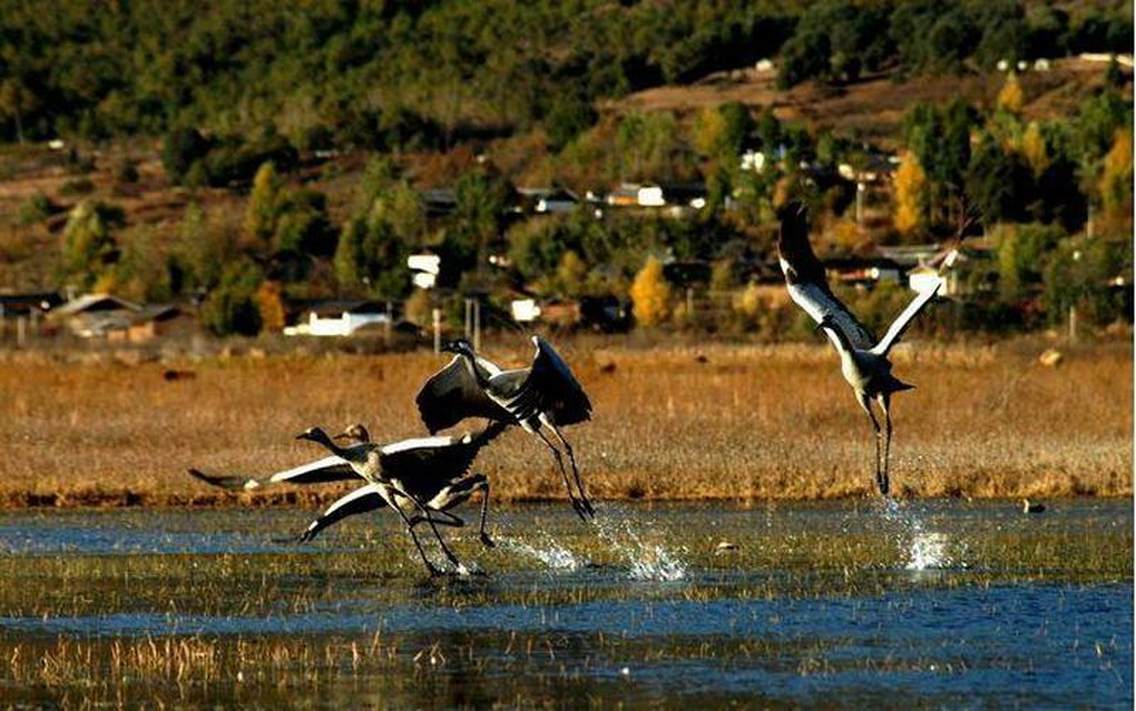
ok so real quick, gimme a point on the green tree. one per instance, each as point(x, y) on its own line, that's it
point(16, 102)
point(89, 247)
point(303, 226)
point(263, 207)
point(182, 149)
point(232, 307)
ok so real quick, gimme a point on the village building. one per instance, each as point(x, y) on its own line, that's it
point(336, 318)
point(116, 319)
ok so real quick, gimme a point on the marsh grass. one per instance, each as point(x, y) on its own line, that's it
point(240, 628)
point(695, 422)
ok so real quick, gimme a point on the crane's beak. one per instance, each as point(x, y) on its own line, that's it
point(303, 435)
point(342, 435)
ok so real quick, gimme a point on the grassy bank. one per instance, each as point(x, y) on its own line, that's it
point(720, 422)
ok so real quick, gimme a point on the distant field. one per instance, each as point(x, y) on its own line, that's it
point(749, 423)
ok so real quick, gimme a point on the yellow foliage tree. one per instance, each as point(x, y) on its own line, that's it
point(650, 294)
point(1011, 97)
point(1116, 175)
point(910, 194)
point(1034, 150)
point(709, 131)
point(271, 306)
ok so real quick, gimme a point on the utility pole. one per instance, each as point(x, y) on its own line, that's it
point(437, 314)
point(389, 327)
point(477, 324)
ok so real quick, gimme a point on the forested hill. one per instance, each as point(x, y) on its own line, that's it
point(377, 74)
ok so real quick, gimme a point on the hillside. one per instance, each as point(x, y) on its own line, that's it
point(290, 192)
point(872, 108)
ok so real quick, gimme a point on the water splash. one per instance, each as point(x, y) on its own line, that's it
point(548, 552)
point(924, 549)
point(646, 561)
point(928, 551)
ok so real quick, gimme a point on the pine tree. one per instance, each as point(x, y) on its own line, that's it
point(260, 214)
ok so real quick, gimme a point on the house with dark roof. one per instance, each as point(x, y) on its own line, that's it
point(113, 318)
point(335, 317)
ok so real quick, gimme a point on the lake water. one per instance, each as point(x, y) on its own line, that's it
point(930, 603)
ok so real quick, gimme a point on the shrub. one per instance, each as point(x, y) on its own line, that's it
point(126, 170)
point(232, 308)
point(183, 148)
point(37, 208)
point(77, 186)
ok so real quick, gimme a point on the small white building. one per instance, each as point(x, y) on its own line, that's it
point(651, 196)
point(337, 318)
point(753, 161)
point(525, 310)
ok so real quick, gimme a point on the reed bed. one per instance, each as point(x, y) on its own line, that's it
point(683, 423)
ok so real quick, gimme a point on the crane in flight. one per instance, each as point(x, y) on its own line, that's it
point(864, 360)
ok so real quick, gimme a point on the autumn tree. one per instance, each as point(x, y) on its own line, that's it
point(910, 194)
point(1011, 97)
point(1034, 149)
point(650, 294)
point(1115, 184)
point(270, 304)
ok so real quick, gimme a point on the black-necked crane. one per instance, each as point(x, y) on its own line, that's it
point(863, 359)
point(321, 471)
point(415, 472)
point(422, 479)
point(544, 394)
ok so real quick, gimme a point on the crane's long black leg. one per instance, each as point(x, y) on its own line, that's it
point(437, 534)
point(450, 519)
point(484, 486)
point(575, 470)
point(885, 405)
point(417, 544)
point(563, 474)
point(867, 405)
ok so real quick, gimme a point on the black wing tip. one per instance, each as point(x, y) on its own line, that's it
point(228, 483)
point(202, 476)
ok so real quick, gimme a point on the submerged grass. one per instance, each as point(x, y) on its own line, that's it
point(717, 422)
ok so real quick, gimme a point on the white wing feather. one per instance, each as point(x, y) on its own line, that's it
point(288, 474)
point(901, 322)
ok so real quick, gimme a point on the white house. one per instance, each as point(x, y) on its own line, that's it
point(525, 310)
point(337, 318)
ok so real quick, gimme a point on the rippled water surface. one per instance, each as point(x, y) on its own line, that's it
point(933, 602)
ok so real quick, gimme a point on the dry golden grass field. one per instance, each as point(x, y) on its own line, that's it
point(718, 422)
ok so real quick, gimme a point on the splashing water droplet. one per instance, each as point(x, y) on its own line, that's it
point(551, 554)
point(928, 551)
point(647, 561)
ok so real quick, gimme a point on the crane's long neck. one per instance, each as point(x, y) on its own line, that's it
point(843, 344)
point(332, 447)
point(490, 433)
point(479, 373)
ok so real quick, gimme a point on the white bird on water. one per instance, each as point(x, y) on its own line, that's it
point(863, 359)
